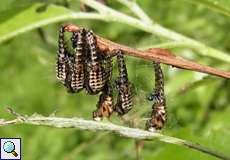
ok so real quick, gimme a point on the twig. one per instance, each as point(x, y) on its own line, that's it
point(155, 54)
point(156, 29)
point(81, 124)
point(107, 14)
point(169, 45)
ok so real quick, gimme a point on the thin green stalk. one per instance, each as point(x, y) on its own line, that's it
point(135, 8)
point(113, 15)
point(81, 124)
point(73, 15)
point(217, 6)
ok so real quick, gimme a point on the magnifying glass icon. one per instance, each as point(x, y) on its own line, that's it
point(9, 147)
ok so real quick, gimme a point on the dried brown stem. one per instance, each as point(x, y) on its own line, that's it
point(154, 54)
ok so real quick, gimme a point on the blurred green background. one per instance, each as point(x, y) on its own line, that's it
point(198, 105)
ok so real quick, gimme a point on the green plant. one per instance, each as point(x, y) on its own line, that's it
point(198, 104)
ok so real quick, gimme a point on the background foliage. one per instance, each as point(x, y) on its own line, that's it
point(198, 105)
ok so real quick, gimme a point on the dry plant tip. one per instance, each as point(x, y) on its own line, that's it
point(154, 54)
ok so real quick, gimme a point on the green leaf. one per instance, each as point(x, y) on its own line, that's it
point(14, 22)
point(5, 4)
point(221, 6)
point(29, 18)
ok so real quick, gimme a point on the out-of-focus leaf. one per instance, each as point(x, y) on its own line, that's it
point(221, 6)
point(5, 4)
point(30, 18)
point(15, 4)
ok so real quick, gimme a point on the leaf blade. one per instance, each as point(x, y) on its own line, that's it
point(30, 19)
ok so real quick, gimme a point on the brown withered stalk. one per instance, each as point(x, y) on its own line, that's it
point(154, 54)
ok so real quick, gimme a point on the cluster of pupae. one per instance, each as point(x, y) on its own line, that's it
point(87, 67)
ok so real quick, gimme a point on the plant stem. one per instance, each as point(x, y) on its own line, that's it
point(169, 45)
point(113, 15)
point(72, 15)
point(82, 124)
point(214, 5)
point(134, 7)
point(154, 54)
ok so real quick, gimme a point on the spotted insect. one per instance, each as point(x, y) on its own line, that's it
point(125, 96)
point(158, 114)
point(61, 69)
point(78, 74)
point(95, 79)
point(105, 104)
point(108, 66)
point(69, 72)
